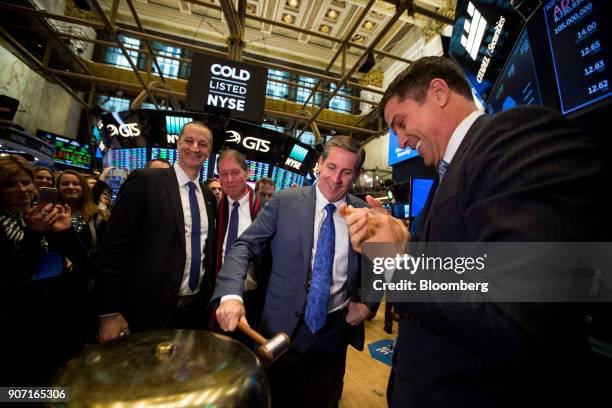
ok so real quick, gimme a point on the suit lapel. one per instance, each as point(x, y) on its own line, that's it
point(353, 262)
point(307, 211)
point(172, 188)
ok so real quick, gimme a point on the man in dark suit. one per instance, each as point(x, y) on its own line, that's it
point(524, 175)
point(156, 265)
point(313, 292)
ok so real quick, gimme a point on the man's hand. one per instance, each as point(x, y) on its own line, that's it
point(357, 313)
point(112, 327)
point(372, 225)
point(229, 312)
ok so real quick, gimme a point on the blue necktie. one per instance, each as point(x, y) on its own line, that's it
point(442, 166)
point(196, 248)
point(232, 231)
point(318, 295)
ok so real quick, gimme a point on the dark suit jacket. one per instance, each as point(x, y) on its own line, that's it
point(142, 260)
point(524, 175)
point(286, 224)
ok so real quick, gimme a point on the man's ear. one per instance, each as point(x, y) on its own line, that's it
point(439, 91)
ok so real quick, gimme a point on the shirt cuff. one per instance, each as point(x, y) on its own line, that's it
point(229, 297)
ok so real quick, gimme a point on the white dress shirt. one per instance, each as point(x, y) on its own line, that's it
point(183, 179)
point(459, 134)
point(244, 221)
point(338, 293)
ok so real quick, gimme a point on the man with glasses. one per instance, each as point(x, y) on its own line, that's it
point(156, 263)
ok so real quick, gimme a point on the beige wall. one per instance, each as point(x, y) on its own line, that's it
point(42, 104)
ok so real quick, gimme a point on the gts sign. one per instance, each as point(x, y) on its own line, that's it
point(126, 130)
point(251, 143)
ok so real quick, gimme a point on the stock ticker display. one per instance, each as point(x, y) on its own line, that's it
point(579, 36)
point(257, 170)
point(127, 159)
point(72, 153)
point(285, 178)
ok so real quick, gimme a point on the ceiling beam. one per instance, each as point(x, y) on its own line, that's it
point(113, 32)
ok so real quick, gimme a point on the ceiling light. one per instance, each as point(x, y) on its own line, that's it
point(358, 38)
point(368, 25)
point(324, 28)
point(288, 18)
point(293, 3)
point(331, 14)
point(251, 8)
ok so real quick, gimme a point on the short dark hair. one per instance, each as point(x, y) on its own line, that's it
point(348, 143)
point(38, 169)
point(264, 180)
point(210, 180)
point(159, 159)
point(197, 123)
point(236, 155)
point(414, 81)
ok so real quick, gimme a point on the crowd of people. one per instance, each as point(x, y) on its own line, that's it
point(174, 253)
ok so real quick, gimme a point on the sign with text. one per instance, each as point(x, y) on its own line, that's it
point(230, 88)
point(484, 34)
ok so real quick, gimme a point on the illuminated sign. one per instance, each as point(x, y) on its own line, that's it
point(125, 130)
point(174, 124)
point(232, 88)
point(296, 157)
point(249, 142)
point(484, 34)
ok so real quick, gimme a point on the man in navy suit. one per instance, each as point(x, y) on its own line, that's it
point(156, 265)
point(524, 175)
point(313, 290)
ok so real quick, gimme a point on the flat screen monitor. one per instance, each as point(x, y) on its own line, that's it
point(285, 178)
point(580, 41)
point(518, 84)
point(70, 153)
point(126, 159)
point(418, 195)
point(257, 170)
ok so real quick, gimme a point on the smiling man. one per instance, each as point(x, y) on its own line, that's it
point(524, 175)
point(313, 289)
point(157, 261)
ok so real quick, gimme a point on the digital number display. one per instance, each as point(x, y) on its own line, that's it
point(127, 159)
point(285, 178)
point(257, 170)
point(71, 153)
point(580, 43)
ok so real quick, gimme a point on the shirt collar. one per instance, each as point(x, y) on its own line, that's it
point(459, 134)
point(244, 201)
point(322, 201)
point(183, 178)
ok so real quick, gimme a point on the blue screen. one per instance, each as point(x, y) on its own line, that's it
point(285, 178)
point(396, 154)
point(419, 194)
point(172, 156)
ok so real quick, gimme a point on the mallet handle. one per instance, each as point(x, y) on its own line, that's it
point(252, 333)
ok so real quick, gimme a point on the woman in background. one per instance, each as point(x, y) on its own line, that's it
point(35, 314)
point(88, 222)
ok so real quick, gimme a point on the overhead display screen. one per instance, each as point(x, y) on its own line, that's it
point(231, 88)
point(126, 159)
point(484, 34)
point(579, 36)
point(257, 170)
point(518, 85)
point(285, 178)
point(71, 153)
point(297, 157)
